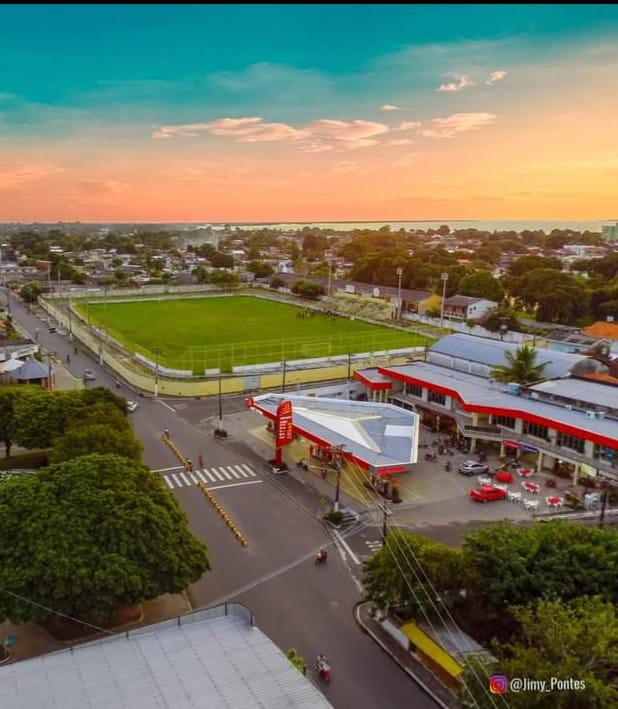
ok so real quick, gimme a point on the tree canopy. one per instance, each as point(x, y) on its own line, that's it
point(90, 535)
point(521, 367)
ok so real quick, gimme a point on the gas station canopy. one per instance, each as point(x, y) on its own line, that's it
point(381, 438)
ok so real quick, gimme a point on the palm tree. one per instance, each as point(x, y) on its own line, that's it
point(521, 367)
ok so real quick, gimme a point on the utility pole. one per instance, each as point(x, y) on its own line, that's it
point(386, 513)
point(283, 377)
point(399, 274)
point(156, 386)
point(220, 405)
point(337, 452)
point(349, 375)
point(444, 278)
point(603, 506)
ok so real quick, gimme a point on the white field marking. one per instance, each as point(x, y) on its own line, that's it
point(167, 406)
point(176, 480)
point(246, 482)
point(185, 478)
point(346, 546)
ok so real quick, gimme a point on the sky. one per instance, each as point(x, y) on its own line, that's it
point(241, 113)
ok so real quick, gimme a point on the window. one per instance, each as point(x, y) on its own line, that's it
point(607, 454)
point(572, 442)
point(506, 421)
point(437, 398)
point(414, 390)
point(537, 431)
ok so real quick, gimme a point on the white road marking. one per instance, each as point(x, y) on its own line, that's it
point(241, 471)
point(194, 478)
point(233, 472)
point(185, 478)
point(345, 545)
point(176, 480)
point(200, 476)
point(246, 482)
point(210, 476)
point(225, 473)
point(215, 473)
point(166, 470)
point(167, 406)
point(248, 469)
point(169, 484)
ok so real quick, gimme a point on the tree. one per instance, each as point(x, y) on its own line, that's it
point(276, 282)
point(577, 641)
point(8, 396)
point(31, 291)
point(481, 284)
point(307, 289)
point(525, 264)
point(88, 437)
point(521, 367)
point(513, 566)
point(397, 575)
point(91, 535)
point(260, 269)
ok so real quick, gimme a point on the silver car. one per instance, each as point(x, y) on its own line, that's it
point(473, 467)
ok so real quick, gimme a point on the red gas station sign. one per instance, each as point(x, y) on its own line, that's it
point(284, 429)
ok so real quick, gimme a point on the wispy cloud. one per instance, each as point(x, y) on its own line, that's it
point(389, 107)
point(409, 125)
point(401, 141)
point(101, 188)
point(461, 83)
point(496, 76)
point(457, 123)
point(14, 175)
point(316, 136)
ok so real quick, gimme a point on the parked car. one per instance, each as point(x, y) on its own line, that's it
point(89, 374)
point(131, 406)
point(473, 467)
point(487, 493)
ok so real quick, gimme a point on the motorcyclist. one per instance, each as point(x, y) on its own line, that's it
point(321, 662)
point(322, 554)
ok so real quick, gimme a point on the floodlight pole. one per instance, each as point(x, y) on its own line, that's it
point(283, 376)
point(338, 453)
point(444, 278)
point(399, 275)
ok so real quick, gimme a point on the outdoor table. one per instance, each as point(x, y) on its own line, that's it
point(531, 504)
point(514, 496)
point(531, 487)
point(554, 501)
point(484, 480)
point(526, 472)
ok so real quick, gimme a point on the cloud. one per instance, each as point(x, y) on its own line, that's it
point(401, 141)
point(409, 125)
point(389, 107)
point(343, 167)
point(457, 123)
point(462, 82)
point(98, 188)
point(317, 136)
point(496, 76)
point(14, 175)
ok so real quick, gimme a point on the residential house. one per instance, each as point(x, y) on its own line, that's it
point(465, 307)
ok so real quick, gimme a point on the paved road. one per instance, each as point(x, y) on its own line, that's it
point(297, 603)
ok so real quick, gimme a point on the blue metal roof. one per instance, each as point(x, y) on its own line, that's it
point(492, 353)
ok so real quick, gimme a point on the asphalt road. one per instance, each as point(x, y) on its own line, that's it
point(296, 603)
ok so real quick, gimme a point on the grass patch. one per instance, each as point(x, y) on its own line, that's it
point(221, 332)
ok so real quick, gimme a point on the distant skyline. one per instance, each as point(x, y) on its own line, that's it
point(308, 113)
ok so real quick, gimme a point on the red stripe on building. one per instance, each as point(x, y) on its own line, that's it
point(374, 386)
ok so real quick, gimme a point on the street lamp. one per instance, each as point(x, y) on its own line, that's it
point(386, 513)
point(156, 386)
point(330, 263)
point(444, 279)
point(283, 376)
point(337, 452)
point(220, 405)
point(399, 275)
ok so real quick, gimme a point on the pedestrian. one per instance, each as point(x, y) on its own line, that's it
point(189, 466)
point(166, 433)
point(200, 460)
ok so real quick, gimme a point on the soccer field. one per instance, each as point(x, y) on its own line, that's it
point(222, 332)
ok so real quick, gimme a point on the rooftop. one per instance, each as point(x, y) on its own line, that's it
point(491, 353)
point(204, 660)
point(381, 435)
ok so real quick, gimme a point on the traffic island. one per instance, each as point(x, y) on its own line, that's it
point(223, 514)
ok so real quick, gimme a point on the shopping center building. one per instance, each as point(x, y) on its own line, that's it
point(566, 422)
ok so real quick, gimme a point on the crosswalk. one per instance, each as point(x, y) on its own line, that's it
point(374, 545)
point(221, 474)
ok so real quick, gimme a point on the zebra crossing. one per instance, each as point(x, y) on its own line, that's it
point(375, 545)
point(216, 475)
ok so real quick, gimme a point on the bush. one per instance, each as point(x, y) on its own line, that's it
point(334, 516)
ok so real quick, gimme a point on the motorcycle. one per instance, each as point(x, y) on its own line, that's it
point(447, 466)
point(431, 456)
point(302, 463)
point(321, 556)
point(323, 669)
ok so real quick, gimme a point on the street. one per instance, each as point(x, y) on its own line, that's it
point(296, 602)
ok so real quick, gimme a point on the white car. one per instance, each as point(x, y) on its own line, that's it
point(89, 375)
point(131, 406)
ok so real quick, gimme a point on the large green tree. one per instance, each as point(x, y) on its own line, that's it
point(91, 535)
point(577, 641)
point(481, 284)
point(8, 396)
point(522, 366)
point(87, 438)
point(399, 575)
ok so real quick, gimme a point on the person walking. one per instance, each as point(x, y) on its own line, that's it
point(200, 460)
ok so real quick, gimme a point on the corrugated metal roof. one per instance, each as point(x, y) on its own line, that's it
point(492, 353)
point(199, 661)
point(582, 390)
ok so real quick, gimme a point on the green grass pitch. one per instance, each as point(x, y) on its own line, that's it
point(222, 332)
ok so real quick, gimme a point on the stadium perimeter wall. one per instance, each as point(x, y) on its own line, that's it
point(123, 365)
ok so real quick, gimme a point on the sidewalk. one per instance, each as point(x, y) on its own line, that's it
point(32, 640)
point(426, 680)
